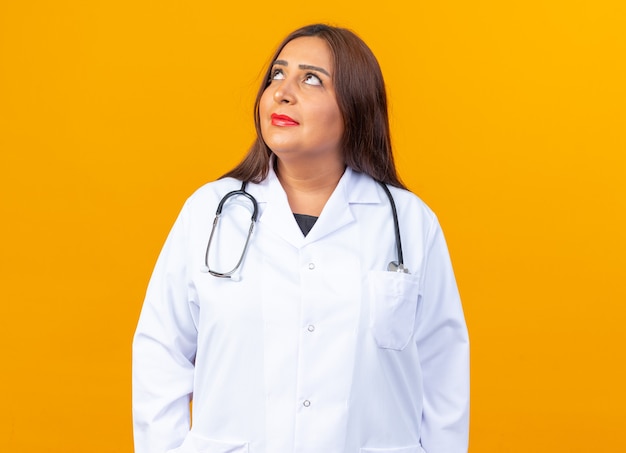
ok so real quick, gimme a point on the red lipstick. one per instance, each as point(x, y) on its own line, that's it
point(283, 120)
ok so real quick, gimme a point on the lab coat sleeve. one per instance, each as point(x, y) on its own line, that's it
point(443, 345)
point(164, 348)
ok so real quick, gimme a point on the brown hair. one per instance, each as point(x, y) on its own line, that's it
point(362, 101)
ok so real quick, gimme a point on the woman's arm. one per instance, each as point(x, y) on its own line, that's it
point(164, 348)
point(443, 346)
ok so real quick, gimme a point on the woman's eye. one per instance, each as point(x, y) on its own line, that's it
point(312, 79)
point(277, 74)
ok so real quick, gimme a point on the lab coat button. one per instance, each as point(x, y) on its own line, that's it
point(311, 266)
point(306, 403)
point(311, 328)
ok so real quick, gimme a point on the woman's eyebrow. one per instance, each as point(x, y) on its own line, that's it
point(314, 68)
point(303, 66)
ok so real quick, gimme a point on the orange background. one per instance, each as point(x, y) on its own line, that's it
point(508, 119)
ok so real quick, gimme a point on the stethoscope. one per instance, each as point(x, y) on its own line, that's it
point(393, 266)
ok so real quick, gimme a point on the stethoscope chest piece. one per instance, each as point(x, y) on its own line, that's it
point(395, 267)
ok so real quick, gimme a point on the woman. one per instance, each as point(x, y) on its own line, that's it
point(301, 340)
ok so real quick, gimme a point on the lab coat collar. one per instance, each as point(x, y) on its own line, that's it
point(276, 215)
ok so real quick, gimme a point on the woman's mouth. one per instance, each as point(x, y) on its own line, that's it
point(283, 120)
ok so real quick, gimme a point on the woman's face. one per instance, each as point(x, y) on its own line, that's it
point(299, 115)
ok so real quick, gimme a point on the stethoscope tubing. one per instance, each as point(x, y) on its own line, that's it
point(218, 214)
point(396, 225)
point(396, 266)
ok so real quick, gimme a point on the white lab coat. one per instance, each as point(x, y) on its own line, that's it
point(318, 348)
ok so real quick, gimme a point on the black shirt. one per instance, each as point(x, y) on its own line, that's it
point(305, 222)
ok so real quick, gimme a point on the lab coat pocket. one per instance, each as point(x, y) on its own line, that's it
point(393, 304)
point(197, 444)
point(411, 449)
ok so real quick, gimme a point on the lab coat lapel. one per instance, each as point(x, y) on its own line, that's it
point(336, 213)
point(276, 213)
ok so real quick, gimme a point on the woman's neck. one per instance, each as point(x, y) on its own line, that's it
point(309, 187)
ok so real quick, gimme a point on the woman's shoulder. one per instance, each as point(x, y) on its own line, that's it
point(209, 194)
point(410, 207)
point(413, 208)
point(412, 199)
point(403, 198)
point(219, 187)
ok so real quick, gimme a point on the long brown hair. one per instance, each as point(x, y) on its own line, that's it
point(362, 101)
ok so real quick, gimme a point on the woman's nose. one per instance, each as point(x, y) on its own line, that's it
point(285, 93)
